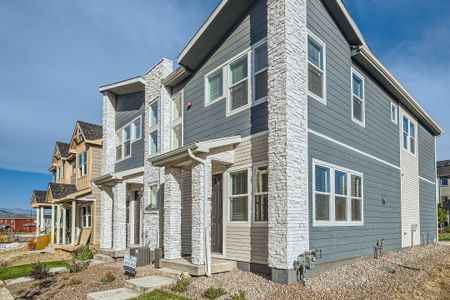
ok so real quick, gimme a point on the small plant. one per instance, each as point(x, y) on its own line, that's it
point(39, 271)
point(84, 254)
point(75, 281)
point(213, 293)
point(240, 296)
point(390, 270)
point(109, 277)
point(182, 283)
point(75, 266)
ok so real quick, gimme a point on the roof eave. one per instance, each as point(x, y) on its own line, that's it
point(135, 84)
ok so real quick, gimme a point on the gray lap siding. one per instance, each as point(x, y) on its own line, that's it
point(381, 221)
point(428, 206)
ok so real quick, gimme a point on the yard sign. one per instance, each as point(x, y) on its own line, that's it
point(129, 264)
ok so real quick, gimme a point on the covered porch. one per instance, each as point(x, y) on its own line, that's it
point(193, 205)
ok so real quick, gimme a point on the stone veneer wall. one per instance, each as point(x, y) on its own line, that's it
point(154, 89)
point(288, 135)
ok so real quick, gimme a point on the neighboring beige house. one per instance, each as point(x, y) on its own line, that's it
point(443, 171)
point(38, 202)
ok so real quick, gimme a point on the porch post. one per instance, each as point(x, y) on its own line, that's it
point(64, 225)
point(58, 224)
point(172, 213)
point(37, 221)
point(52, 233)
point(73, 233)
point(42, 222)
point(198, 212)
point(120, 216)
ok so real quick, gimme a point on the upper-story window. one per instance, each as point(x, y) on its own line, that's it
point(177, 121)
point(358, 95)
point(444, 182)
point(238, 90)
point(316, 69)
point(153, 196)
point(125, 136)
point(82, 164)
point(338, 196)
point(260, 72)
point(62, 171)
point(394, 113)
point(58, 173)
point(153, 124)
point(409, 135)
point(214, 86)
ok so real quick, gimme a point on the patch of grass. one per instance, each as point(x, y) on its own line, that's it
point(75, 281)
point(182, 284)
point(240, 296)
point(84, 253)
point(444, 237)
point(161, 295)
point(109, 277)
point(24, 270)
point(213, 293)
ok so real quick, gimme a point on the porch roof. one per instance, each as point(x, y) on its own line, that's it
point(180, 155)
point(117, 176)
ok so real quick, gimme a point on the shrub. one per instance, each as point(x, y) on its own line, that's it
point(109, 277)
point(240, 296)
point(75, 266)
point(182, 283)
point(213, 293)
point(39, 271)
point(75, 281)
point(84, 254)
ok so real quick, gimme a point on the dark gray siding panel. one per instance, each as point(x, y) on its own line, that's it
point(129, 107)
point(426, 154)
point(380, 136)
point(381, 221)
point(428, 221)
point(202, 123)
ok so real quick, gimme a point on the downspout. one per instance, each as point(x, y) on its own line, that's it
point(206, 249)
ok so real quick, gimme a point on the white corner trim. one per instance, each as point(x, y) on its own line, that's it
point(352, 148)
point(426, 180)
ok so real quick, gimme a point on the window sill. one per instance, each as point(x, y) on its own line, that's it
point(336, 224)
point(408, 152)
point(213, 102)
point(122, 159)
point(362, 124)
point(317, 98)
point(238, 110)
point(259, 101)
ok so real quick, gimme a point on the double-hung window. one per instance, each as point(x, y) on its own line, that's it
point(177, 121)
point(214, 86)
point(153, 196)
point(62, 171)
point(153, 125)
point(136, 127)
point(316, 69)
point(338, 196)
point(409, 135)
point(82, 164)
point(260, 72)
point(238, 86)
point(358, 95)
point(86, 216)
point(261, 190)
point(238, 196)
point(394, 113)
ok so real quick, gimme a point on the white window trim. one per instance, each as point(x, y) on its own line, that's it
point(249, 194)
point(176, 122)
point(254, 47)
point(131, 124)
point(363, 99)
point(84, 216)
point(395, 119)
point(153, 128)
point(249, 84)
point(442, 182)
point(322, 100)
point(255, 166)
point(80, 172)
point(216, 70)
point(410, 120)
point(332, 212)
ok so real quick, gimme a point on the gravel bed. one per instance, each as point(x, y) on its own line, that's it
point(24, 256)
point(59, 286)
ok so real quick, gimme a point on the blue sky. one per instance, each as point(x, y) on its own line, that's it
point(54, 54)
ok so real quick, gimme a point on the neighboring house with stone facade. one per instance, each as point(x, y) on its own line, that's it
point(74, 201)
point(279, 132)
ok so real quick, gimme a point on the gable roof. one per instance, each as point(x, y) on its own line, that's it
point(229, 11)
point(61, 190)
point(443, 168)
point(63, 149)
point(91, 131)
point(39, 196)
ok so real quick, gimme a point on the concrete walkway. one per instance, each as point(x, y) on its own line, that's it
point(5, 294)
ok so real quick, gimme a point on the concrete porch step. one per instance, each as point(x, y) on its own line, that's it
point(148, 284)
point(171, 273)
point(103, 258)
point(184, 264)
point(117, 294)
point(112, 253)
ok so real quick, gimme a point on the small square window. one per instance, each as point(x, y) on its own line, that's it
point(444, 182)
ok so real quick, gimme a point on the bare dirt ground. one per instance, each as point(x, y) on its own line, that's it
point(22, 255)
point(62, 286)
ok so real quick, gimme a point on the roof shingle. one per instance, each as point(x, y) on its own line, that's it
point(91, 131)
point(40, 196)
point(61, 190)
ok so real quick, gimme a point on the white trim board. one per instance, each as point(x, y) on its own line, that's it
point(429, 181)
point(352, 148)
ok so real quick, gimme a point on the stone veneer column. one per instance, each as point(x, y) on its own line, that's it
point(288, 136)
point(120, 216)
point(172, 213)
point(198, 221)
point(152, 227)
point(109, 148)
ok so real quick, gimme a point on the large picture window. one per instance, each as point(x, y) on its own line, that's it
point(261, 189)
point(338, 196)
point(238, 196)
point(358, 95)
point(409, 135)
point(82, 164)
point(316, 69)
